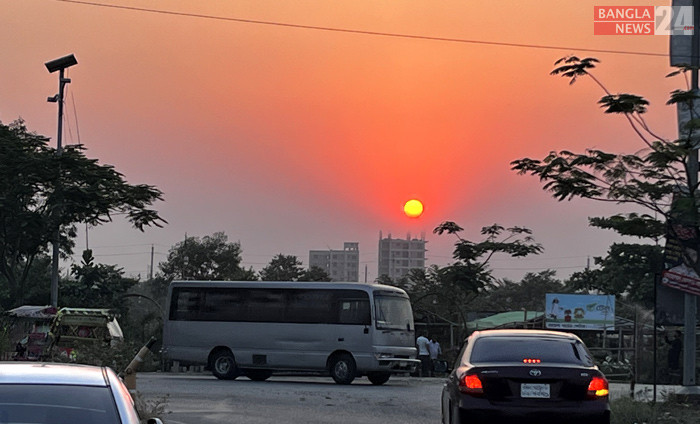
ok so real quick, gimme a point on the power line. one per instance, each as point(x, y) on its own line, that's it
point(362, 32)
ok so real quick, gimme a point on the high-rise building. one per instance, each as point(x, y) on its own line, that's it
point(397, 256)
point(341, 265)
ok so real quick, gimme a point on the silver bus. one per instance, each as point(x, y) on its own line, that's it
point(253, 328)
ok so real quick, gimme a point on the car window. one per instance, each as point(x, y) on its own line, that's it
point(517, 349)
point(462, 350)
point(56, 404)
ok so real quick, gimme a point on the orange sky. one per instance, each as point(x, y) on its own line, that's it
point(294, 139)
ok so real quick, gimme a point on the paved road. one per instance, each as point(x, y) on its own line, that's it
point(202, 399)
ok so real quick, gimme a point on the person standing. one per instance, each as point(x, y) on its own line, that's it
point(674, 352)
point(422, 343)
point(435, 352)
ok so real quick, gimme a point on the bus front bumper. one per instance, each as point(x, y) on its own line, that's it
point(399, 365)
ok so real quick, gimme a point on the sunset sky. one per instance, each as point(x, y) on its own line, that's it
point(292, 139)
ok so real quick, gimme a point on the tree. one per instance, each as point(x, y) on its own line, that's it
point(282, 268)
point(209, 258)
point(314, 273)
point(37, 285)
point(96, 285)
point(453, 288)
point(433, 295)
point(628, 269)
point(657, 178)
point(42, 193)
point(471, 272)
point(529, 293)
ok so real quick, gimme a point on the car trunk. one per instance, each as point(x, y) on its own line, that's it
point(535, 384)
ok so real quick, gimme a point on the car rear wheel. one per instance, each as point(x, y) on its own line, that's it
point(224, 366)
point(604, 420)
point(258, 375)
point(343, 368)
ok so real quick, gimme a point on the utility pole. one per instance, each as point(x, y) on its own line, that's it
point(150, 276)
point(60, 65)
point(690, 300)
point(685, 50)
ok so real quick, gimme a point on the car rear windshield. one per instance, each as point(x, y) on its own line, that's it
point(519, 349)
point(57, 404)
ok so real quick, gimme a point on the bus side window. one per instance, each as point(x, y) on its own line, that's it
point(354, 311)
point(187, 304)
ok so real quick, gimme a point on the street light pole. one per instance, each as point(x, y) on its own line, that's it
point(60, 65)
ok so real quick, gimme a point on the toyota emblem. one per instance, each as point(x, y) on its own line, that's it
point(535, 372)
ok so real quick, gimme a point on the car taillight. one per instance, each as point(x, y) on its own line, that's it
point(471, 384)
point(531, 361)
point(598, 387)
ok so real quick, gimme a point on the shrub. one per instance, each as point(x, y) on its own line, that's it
point(628, 411)
point(151, 408)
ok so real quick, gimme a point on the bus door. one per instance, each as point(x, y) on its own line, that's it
point(354, 332)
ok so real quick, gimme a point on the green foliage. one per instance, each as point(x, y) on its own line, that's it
point(282, 268)
point(628, 411)
point(448, 293)
point(151, 407)
point(386, 280)
point(209, 258)
point(314, 273)
point(471, 273)
point(116, 356)
point(37, 285)
point(628, 269)
point(574, 67)
point(145, 306)
point(632, 224)
point(527, 294)
point(623, 103)
point(42, 193)
point(289, 268)
point(655, 178)
point(95, 285)
point(5, 342)
point(434, 296)
point(649, 178)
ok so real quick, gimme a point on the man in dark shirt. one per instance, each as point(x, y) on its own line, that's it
point(674, 352)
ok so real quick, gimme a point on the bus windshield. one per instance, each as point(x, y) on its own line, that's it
point(393, 312)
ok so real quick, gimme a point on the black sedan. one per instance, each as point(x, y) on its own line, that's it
point(525, 376)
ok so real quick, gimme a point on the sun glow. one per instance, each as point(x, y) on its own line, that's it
point(413, 208)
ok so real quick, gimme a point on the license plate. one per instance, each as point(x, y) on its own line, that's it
point(537, 391)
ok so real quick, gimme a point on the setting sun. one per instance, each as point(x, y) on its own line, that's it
point(413, 208)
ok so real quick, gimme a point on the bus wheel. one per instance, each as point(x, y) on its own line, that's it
point(258, 375)
point(224, 366)
point(378, 378)
point(343, 368)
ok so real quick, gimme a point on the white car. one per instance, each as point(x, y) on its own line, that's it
point(55, 393)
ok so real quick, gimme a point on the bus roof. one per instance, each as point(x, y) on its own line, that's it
point(368, 287)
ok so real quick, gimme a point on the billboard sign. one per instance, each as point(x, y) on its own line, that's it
point(580, 312)
point(680, 258)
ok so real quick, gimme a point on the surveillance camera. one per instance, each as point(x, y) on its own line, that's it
point(61, 63)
